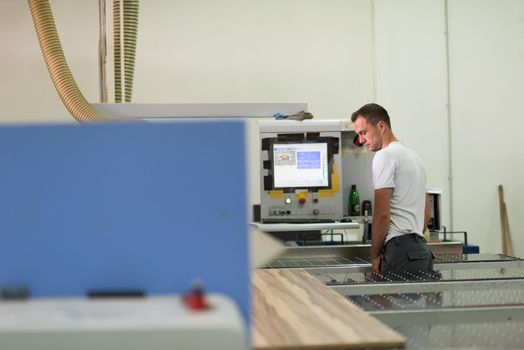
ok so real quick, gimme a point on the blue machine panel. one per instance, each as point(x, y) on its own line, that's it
point(152, 207)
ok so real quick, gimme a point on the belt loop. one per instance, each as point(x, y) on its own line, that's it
point(415, 236)
point(397, 241)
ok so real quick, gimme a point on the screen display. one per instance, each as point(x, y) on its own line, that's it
point(300, 165)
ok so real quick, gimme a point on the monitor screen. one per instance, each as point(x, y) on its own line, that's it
point(300, 165)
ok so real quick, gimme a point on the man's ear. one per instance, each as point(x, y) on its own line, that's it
point(381, 125)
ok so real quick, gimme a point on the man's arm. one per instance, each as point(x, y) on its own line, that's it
point(427, 213)
point(380, 226)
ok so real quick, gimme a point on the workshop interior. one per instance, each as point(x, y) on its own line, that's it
point(185, 174)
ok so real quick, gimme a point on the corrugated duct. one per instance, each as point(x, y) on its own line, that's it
point(125, 14)
point(117, 53)
point(56, 63)
point(130, 34)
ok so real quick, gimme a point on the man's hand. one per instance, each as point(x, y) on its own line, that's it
point(375, 268)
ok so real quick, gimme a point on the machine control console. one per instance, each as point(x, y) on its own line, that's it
point(300, 169)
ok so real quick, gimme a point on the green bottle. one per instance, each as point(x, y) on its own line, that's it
point(354, 201)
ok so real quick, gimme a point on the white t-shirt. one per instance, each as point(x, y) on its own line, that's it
point(401, 169)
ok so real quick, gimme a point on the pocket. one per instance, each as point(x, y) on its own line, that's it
point(418, 254)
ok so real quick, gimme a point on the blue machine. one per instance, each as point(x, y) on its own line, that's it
point(150, 207)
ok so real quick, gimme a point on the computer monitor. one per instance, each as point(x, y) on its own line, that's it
point(301, 165)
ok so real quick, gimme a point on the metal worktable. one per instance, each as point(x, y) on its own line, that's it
point(475, 301)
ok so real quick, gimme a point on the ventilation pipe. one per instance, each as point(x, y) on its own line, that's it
point(125, 24)
point(56, 63)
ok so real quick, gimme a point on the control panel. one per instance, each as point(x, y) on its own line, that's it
point(300, 171)
point(301, 205)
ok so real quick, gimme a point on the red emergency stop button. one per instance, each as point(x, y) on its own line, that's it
point(195, 300)
point(302, 200)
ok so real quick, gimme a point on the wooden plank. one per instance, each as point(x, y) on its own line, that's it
point(503, 235)
point(507, 247)
point(292, 310)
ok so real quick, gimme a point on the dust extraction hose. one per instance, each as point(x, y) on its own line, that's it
point(117, 54)
point(129, 20)
point(56, 63)
point(130, 35)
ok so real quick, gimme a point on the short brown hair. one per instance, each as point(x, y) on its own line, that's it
point(372, 113)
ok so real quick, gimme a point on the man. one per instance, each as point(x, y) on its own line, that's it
point(401, 213)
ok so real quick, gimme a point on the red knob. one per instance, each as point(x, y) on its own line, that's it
point(302, 200)
point(195, 299)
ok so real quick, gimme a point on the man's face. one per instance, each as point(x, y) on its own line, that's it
point(369, 135)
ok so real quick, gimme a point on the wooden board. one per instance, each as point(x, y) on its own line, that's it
point(292, 310)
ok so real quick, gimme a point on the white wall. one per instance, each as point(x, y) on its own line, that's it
point(310, 51)
point(487, 110)
point(410, 65)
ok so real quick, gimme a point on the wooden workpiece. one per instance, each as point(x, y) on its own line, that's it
point(292, 310)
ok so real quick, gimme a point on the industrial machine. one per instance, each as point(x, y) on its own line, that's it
point(101, 226)
point(307, 169)
point(155, 322)
point(301, 173)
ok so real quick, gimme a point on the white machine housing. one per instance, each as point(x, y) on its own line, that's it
point(153, 323)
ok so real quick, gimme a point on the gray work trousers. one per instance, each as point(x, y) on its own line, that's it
point(407, 257)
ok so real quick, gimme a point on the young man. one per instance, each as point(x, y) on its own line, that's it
point(401, 213)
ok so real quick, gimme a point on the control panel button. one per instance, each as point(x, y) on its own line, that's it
point(302, 200)
point(288, 200)
point(196, 300)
